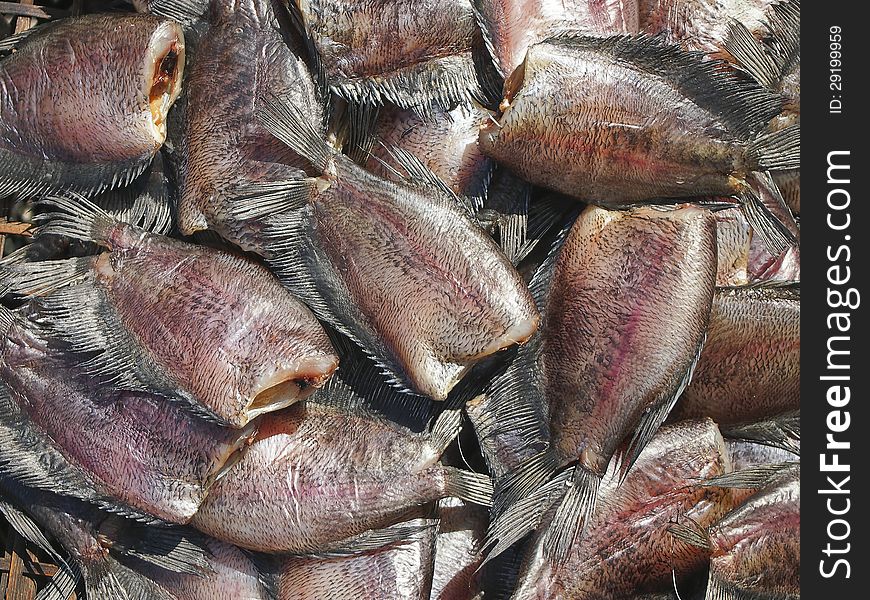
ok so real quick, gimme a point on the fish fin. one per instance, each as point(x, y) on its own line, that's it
point(752, 477)
point(260, 199)
point(170, 548)
point(528, 476)
point(145, 203)
point(782, 431)
point(690, 532)
point(511, 218)
point(774, 233)
point(299, 267)
point(445, 429)
point(572, 515)
point(719, 589)
point(486, 25)
point(470, 487)
point(358, 131)
point(283, 120)
point(72, 216)
point(185, 12)
point(777, 150)
point(524, 516)
point(28, 529)
point(358, 386)
point(776, 204)
point(543, 215)
point(654, 416)
point(28, 176)
point(12, 42)
point(784, 26)
point(751, 55)
point(419, 174)
point(105, 577)
point(29, 279)
point(61, 585)
point(436, 84)
point(375, 539)
point(743, 106)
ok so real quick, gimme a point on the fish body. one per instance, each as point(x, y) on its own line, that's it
point(400, 267)
point(749, 368)
point(131, 446)
point(317, 476)
point(206, 326)
point(71, 118)
point(400, 571)
point(645, 132)
point(222, 148)
point(755, 549)
point(461, 528)
point(627, 546)
point(414, 54)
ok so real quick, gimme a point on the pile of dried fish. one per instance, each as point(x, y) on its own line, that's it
point(447, 299)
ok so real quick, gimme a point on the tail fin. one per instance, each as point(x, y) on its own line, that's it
point(75, 217)
point(573, 514)
point(778, 150)
point(691, 533)
point(774, 233)
point(468, 486)
point(288, 124)
point(445, 429)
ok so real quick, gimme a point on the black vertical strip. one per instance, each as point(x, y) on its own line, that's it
point(834, 269)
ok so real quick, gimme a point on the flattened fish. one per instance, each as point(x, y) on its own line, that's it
point(603, 368)
point(511, 26)
point(627, 546)
point(240, 55)
point(414, 54)
point(400, 571)
point(656, 123)
point(137, 448)
point(318, 476)
point(212, 329)
point(120, 558)
point(83, 102)
point(750, 366)
point(399, 267)
point(755, 549)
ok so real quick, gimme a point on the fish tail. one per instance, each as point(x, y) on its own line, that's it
point(719, 590)
point(777, 150)
point(285, 121)
point(752, 477)
point(105, 577)
point(471, 487)
point(751, 55)
point(572, 515)
point(445, 429)
point(72, 216)
point(774, 233)
point(782, 431)
point(7, 320)
point(29, 279)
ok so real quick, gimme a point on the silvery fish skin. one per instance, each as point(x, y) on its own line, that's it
point(511, 27)
point(445, 141)
point(176, 457)
point(222, 147)
point(756, 547)
point(99, 121)
point(701, 25)
point(749, 368)
point(461, 527)
point(627, 546)
point(604, 363)
point(574, 120)
point(317, 475)
point(402, 571)
point(400, 267)
point(428, 63)
point(212, 328)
